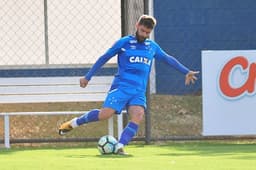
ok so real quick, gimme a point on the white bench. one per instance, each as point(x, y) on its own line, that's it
point(53, 89)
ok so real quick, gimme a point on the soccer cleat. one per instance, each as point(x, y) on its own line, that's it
point(65, 128)
point(121, 151)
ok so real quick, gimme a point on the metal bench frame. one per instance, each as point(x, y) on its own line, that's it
point(53, 89)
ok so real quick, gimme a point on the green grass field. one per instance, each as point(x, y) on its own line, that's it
point(168, 156)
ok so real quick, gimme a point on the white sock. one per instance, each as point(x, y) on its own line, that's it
point(73, 123)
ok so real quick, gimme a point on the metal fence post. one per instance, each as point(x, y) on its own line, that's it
point(147, 116)
point(46, 41)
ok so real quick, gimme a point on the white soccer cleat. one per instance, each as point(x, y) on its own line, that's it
point(121, 151)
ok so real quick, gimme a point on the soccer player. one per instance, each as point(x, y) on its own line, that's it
point(135, 54)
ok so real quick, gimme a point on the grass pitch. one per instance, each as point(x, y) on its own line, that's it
point(167, 156)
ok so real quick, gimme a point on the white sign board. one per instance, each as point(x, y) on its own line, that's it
point(229, 92)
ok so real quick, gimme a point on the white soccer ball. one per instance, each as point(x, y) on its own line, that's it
point(107, 144)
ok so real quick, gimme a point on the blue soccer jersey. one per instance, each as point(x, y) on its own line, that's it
point(134, 62)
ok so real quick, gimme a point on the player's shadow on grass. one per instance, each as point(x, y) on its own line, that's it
point(114, 156)
point(100, 156)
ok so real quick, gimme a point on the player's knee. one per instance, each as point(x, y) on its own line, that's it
point(106, 113)
point(138, 117)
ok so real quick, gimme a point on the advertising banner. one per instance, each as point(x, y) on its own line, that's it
point(229, 92)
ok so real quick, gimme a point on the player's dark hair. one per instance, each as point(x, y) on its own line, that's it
point(148, 21)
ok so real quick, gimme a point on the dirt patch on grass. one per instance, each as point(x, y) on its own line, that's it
point(176, 115)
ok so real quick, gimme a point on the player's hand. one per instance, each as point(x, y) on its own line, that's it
point(83, 82)
point(191, 77)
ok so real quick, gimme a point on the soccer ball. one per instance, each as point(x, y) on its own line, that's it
point(107, 144)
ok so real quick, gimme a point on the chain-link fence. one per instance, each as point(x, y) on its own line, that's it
point(21, 32)
point(57, 32)
point(80, 31)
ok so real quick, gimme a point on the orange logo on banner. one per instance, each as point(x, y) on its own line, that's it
point(248, 86)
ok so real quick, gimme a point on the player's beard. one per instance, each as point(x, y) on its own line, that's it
point(140, 38)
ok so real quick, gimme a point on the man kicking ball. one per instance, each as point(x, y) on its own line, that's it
point(134, 55)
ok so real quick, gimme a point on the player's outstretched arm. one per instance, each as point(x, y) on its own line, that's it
point(83, 82)
point(191, 77)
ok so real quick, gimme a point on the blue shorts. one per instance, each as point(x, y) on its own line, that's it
point(120, 98)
